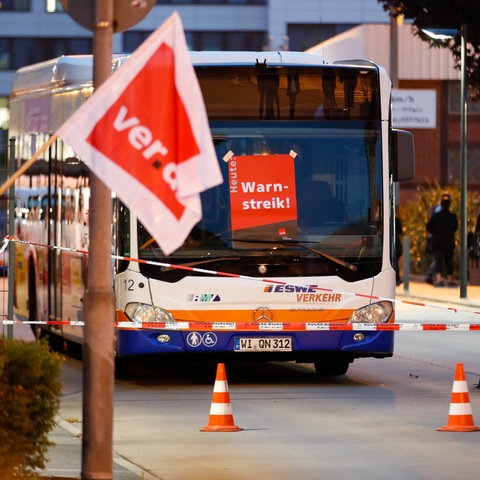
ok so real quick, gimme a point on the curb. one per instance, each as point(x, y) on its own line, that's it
point(129, 468)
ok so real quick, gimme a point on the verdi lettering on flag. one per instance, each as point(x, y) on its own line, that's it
point(145, 134)
point(262, 195)
point(142, 135)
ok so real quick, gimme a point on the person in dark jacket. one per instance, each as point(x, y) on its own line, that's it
point(442, 226)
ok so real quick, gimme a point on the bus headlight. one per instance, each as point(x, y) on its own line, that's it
point(144, 313)
point(379, 312)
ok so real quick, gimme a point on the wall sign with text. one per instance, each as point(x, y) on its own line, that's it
point(414, 108)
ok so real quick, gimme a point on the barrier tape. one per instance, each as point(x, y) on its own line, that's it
point(260, 326)
point(270, 327)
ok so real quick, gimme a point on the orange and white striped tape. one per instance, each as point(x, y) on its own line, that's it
point(269, 326)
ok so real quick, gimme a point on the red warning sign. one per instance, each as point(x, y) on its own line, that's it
point(262, 193)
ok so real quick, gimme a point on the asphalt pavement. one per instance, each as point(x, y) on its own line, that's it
point(65, 456)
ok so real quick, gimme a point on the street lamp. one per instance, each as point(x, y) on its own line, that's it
point(447, 34)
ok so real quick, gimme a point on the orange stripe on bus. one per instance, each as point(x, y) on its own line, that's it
point(247, 316)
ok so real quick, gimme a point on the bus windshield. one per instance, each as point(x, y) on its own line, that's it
point(301, 161)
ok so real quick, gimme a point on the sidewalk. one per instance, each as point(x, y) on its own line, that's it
point(65, 457)
point(425, 292)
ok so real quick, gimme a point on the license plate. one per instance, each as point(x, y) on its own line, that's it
point(263, 344)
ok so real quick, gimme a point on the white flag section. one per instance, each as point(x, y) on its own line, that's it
point(145, 135)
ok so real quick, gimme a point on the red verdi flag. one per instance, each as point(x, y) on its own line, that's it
point(145, 134)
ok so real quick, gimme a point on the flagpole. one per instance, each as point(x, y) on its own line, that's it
point(98, 355)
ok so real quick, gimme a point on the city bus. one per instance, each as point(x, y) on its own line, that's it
point(298, 238)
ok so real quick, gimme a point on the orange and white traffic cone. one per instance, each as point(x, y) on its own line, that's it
point(221, 417)
point(460, 418)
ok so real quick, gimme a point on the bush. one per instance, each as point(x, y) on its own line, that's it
point(414, 216)
point(30, 392)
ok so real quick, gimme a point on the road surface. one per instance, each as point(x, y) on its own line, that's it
point(378, 421)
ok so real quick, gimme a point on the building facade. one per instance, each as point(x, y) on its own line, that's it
point(37, 30)
point(428, 84)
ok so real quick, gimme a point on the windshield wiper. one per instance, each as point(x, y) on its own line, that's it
point(341, 262)
point(295, 243)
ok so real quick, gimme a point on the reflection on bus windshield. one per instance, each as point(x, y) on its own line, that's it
point(314, 188)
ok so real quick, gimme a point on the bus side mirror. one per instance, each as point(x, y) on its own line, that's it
point(403, 155)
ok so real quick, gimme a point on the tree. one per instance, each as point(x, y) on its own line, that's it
point(450, 14)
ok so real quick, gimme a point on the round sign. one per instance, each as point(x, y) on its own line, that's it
point(126, 13)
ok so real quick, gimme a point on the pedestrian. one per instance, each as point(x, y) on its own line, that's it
point(429, 252)
point(442, 226)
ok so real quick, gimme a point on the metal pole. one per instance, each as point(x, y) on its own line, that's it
point(463, 167)
point(393, 48)
point(98, 357)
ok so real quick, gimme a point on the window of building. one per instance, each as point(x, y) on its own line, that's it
point(4, 113)
point(15, 5)
point(215, 41)
point(21, 51)
point(473, 172)
point(454, 100)
point(212, 2)
point(303, 36)
point(4, 53)
point(53, 6)
point(133, 38)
